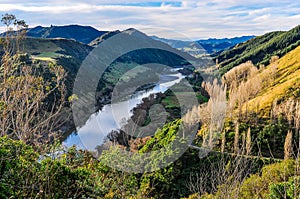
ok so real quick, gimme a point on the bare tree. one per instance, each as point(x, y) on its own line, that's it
point(223, 142)
point(31, 105)
point(224, 175)
point(240, 73)
point(212, 114)
point(236, 138)
point(297, 126)
point(288, 145)
point(248, 142)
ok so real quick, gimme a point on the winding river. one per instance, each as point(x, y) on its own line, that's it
point(100, 124)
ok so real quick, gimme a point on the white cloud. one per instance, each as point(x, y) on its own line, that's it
point(197, 19)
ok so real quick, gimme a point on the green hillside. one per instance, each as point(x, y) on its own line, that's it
point(67, 53)
point(55, 49)
point(260, 49)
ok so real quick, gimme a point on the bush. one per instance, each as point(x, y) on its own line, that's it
point(286, 190)
point(18, 166)
point(257, 186)
point(24, 175)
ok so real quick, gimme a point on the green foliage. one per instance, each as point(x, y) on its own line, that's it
point(162, 137)
point(272, 137)
point(269, 135)
point(23, 176)
point(17, 168)
point(63, 181)
point(277, 180)
point(287, 190)
point(75, 174)
point(257, 186)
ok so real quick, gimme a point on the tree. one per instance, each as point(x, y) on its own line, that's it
point(288, 145)
point(248, 142)
point(211, 115)
point(236, 138)
point(31, 102)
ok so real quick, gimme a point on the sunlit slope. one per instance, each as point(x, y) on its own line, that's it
point(281, 81)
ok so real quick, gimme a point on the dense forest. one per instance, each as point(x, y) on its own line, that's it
point(247, 144)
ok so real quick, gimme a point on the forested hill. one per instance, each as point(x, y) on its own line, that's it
point(83, 34)
point(259, 50)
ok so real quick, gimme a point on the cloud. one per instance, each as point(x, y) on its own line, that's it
point(171, 18)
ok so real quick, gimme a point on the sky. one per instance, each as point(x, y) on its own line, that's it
point(176, 19)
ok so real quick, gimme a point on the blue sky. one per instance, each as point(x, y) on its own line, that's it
point(178, 19)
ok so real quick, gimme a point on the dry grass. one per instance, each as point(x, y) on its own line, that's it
point(280, 80)
point(240, 73)
point(48, 59)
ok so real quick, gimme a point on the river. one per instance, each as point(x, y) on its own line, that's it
point(100, 124)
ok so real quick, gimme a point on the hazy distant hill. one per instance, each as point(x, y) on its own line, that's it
point(217, 45)
point(200, 47)
point(57, 43)
point(84, 34)
point(260, 49)
point(191, 47)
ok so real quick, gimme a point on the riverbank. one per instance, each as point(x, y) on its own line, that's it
point(109, 118)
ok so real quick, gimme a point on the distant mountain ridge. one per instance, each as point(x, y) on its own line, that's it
point(205, 46)
point(143, 38)
point(92, 36)
point(191, 47)
point(233, 40)
point(217, 45)
point(143, 56)
point(83, 34)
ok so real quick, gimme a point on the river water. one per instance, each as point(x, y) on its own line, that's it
point(109, 118)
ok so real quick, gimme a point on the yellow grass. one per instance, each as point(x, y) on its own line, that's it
point(49, 59)
point(286, 80)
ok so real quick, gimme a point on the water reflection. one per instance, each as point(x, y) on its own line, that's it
point(100, 124)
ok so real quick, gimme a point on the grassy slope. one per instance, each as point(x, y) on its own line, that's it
point(64, 52)
point(67, 53)
point(54, 49)
point(286, 83)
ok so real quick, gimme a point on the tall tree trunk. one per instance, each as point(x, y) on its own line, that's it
point(248, 142)
point(236, 138)
point(288, 145)
point(223, 142)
